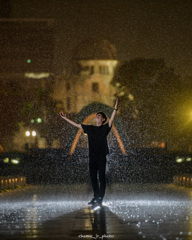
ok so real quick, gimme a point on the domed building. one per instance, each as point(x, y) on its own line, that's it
point(88, 76)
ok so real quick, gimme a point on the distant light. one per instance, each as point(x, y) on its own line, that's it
point(32, 120)
point(14, 161)
point(121, 94)
point(39, 120)
point(6, 160)
point(27, 133)
point(37, 75)
point(34, 133)
point(163, 145)
point(188, 159)
point(131, 97)
point(28, 60)
point(179, 160)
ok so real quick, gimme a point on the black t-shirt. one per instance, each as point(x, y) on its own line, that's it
point(97, 139)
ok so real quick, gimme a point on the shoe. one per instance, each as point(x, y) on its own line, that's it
point(96, 206)
point(100, 200)
point(92, 202)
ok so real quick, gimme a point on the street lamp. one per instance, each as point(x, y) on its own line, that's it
point(32, 134)
point(27, 133)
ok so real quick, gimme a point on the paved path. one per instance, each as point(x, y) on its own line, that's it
point(130, 212)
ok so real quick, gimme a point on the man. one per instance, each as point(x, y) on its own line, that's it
point(98, 149)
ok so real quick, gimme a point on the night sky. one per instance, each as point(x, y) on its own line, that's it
point(138, 28)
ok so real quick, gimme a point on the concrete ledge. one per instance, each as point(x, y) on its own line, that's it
point(12, 182)
point(183, 180)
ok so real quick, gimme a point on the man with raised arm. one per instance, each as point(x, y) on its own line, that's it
point(98, 149)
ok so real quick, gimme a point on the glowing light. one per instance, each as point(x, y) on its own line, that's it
point(28, 60)
point(39, 120)
point(32, 121)
point(188, 159)
point(37, 75)
point(179, 160)
point(14, 161)
point(6, 160)
point(27, 133)
point(131, 97)
point(34, 133)
point(163, 145)
point(121, 94)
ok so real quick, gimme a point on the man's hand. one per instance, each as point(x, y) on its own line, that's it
point(70, 121)
point(114, 112)
point(62, 114)
point(116, 103)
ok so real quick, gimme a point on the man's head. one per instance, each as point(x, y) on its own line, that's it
point(100, 116)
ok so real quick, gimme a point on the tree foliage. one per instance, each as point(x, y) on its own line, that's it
point(148, 95)
point(18, 105)
point(10, 104)
point(41, 105)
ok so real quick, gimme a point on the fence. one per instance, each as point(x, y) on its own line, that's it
point(183, 180)
point(12, 182)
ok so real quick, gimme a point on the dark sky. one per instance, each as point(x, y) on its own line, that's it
point(138, 28)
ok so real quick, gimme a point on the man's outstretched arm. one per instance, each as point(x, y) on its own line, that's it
point(114, 113)
point(70, 121)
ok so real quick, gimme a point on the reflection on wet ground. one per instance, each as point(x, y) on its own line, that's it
point(137, 211)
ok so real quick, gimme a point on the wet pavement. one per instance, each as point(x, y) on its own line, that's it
point(137, 211)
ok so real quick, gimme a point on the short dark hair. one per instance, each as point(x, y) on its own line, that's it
point(103, 116)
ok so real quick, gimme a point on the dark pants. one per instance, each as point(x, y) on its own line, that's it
point(98, 165)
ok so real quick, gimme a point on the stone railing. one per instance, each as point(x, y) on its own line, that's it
point(12, 182)
point(183, 180)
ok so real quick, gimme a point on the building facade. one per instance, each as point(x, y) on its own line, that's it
point(88, 78)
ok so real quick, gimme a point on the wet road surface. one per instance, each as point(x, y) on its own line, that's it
point(137, 211)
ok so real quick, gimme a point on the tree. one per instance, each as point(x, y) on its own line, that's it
point(10, 104)
point(40, 113)
point(151, 88)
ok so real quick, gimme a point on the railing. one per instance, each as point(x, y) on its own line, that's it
point(183, 180)
point(12, 182)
